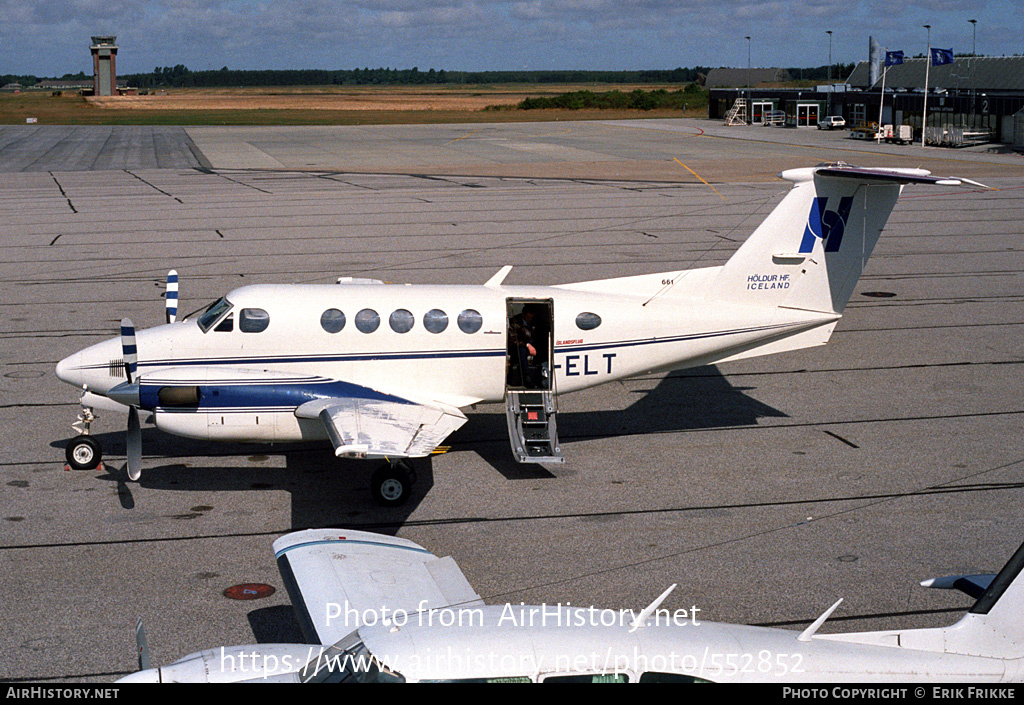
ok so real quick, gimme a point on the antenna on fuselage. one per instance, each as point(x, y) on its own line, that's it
point(806, 634)
point(499, 277)
point(649, 610)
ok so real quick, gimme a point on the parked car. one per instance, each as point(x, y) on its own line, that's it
point(831, 122)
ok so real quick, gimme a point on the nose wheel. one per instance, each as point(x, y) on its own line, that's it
point(392, 482)
point(83, 452)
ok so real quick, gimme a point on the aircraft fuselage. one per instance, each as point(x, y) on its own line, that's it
point(285, 345)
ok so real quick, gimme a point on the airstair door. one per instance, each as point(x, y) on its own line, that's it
point(531, 426)
point(530, 404)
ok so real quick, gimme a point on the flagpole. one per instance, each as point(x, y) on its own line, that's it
point(881, 102)
point(927, 66)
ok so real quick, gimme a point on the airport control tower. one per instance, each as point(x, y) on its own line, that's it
point(104, 65)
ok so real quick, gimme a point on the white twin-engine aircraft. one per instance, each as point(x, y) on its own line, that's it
point(385, 371)
point(382, 609)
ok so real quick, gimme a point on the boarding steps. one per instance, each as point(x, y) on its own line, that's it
point(737, 114)
point(531, 426)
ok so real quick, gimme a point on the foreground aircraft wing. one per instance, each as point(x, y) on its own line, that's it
point(368, 424)
point(340, 580)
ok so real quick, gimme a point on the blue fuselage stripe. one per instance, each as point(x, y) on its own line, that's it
point(385, 356)
point(260, 396)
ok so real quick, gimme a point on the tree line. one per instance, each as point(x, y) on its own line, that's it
point(690, 97)
point(180, 76)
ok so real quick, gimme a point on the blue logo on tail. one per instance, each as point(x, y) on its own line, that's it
point(825, 224)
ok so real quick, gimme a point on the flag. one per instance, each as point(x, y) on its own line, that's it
point(893, 57)
point(941, 56)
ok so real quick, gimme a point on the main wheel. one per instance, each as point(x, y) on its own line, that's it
point(391, 484)
point(83, 453)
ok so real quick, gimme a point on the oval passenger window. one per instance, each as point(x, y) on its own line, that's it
point(588, 321)
point(332, 320)
point(435, 320)
point(470, 321)
point(401, 321)
point(367, 320)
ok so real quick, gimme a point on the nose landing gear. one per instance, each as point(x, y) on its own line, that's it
point(83, 452)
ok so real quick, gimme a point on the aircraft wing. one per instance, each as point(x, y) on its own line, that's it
point(340, 580)
point(369, 424)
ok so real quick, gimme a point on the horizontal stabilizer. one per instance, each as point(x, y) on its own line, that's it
point(971, 585)
point(897, 176)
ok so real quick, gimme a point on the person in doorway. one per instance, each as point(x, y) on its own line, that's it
point(526, 333)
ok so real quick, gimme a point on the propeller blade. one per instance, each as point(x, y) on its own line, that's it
point(128, 349)
point(171, 297)
point(134, 444)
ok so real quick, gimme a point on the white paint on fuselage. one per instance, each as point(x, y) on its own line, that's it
point(455, 367)
point(636, 335)
point(639, 333)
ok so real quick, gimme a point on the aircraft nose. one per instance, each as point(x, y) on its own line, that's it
point(67, 368)
point(92, 367)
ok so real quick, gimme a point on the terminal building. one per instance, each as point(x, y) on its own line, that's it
point(982, 96)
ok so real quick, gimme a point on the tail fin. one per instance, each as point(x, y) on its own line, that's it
point(810, 251)
point(994, 626)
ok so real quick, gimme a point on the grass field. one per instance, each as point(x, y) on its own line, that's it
point(312, 105)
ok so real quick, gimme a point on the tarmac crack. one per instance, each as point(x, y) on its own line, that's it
point(153, 186)
point(65, 195)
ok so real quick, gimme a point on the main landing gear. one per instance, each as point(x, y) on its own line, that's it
point(83, 452)
point(392, 483)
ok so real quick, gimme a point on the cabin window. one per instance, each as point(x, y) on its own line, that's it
point(656, 677)
point(226, 325)
point(588, 321)
point(367, 320)
point(482, 679)
point(435, 320)
point(589, 678)
point(470, 321)
point(332, 320)
point(213, 313)
point(253, 320)
point(401, 321)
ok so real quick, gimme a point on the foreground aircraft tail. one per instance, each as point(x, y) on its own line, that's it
point(810, 251)
point(992, 628)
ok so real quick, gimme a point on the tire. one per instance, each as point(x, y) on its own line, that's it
point(391, 485)
point(83, 453)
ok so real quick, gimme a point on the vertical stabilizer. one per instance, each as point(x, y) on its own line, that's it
point(810, 251)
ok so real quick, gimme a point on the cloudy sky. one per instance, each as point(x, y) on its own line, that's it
point(51, 37)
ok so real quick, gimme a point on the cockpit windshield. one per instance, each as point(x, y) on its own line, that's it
point(213, 313)
point(348, 661)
